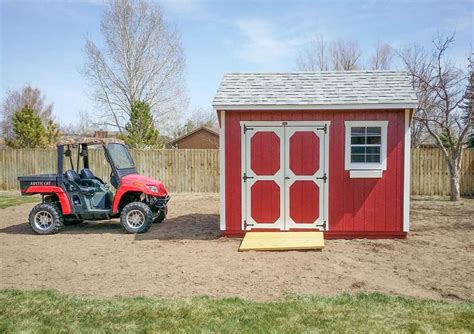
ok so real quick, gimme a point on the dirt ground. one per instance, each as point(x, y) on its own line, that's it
point(184, 257)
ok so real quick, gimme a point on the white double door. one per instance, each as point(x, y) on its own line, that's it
point(284, 175)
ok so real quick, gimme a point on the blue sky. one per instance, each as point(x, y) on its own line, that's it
point(42, 41)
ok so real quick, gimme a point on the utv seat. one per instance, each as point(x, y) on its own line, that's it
point(86, 187)
point(86, 174)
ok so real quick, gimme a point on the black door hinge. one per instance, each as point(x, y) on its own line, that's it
point(246, 225)
point(245, 177)
point(324, 178)
point(246, 128)
point(323, 225)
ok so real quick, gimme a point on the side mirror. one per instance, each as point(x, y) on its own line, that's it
point(67, 153)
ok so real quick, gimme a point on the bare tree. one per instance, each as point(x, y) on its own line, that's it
point(18, 99)
point(339, 55)
point(344, 55)
point(382, 59)
point(200, 117)
point(142, 60)
point(415, 60)
point(84, 126)
point(315, 58)
point(440, 86)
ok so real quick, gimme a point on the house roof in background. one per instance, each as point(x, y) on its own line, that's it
point(214, 131)
point(315, 90)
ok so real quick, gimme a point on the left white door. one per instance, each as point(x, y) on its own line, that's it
point(263, 177)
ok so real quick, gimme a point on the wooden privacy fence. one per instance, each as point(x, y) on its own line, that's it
point(430, 176)
point(198, 170)
point(180, 170)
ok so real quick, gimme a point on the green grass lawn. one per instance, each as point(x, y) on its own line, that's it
point(9, 200)
point(46, 311)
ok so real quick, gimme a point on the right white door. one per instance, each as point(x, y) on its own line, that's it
point(306, 180)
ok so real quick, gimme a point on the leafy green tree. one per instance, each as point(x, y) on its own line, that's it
point(140, 130)
point(29, 130)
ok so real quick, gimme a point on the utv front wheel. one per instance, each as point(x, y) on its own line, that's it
point(46, 218)
point(136, 217)
point(161, 216)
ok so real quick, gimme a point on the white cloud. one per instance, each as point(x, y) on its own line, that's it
point(263, 43)
point(190, 8)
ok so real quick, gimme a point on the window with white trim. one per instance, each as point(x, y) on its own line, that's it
point(366, 145)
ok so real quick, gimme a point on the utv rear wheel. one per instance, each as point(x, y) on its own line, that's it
point(46, 218)
point(136, 217)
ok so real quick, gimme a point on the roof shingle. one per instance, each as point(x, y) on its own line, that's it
point(315, 88)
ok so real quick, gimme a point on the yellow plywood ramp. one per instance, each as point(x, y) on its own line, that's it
point(278, 241)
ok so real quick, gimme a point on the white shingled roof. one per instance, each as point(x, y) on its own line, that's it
point(315, 90)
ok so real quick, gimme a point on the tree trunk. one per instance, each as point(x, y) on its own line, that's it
point(454, 183)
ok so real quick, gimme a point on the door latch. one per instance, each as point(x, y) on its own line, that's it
point(324, 178)
point(245, 177)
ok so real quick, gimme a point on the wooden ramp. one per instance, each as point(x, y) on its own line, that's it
point(279, 241)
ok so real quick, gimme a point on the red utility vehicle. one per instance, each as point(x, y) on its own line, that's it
point(74, 196)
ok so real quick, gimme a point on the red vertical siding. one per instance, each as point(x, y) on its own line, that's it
point(355, 205)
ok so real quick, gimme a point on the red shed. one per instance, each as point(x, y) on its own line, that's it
point(323, 151)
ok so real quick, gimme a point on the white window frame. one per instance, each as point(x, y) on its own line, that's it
point(366, 166)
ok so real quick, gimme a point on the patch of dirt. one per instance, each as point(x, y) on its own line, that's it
point(184, 256)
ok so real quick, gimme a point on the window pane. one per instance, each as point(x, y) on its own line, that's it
point(120, 156)
point(374, 140)
point(373, 150)
point(358, 149)
point(358, 131)
point(357, 140)
point(373, 158)
point(374, 131)
point(357, 158)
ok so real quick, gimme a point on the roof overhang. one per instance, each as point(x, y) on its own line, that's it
point(366, 106)
point(77, 140)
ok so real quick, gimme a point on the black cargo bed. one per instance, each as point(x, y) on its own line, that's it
point(38, 180)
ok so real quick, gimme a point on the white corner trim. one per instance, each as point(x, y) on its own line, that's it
point(348, 165)
point(271, 107)
point(222, 172)
point(366, 174)
point(406, 172)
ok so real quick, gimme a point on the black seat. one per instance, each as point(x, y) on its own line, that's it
point(86, 188)
point(87, 174)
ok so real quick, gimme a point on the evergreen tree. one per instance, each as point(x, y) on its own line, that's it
point(140, 130)
point(29, 130)
point(51, 133)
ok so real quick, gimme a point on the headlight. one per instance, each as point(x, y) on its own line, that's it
point(153, 188)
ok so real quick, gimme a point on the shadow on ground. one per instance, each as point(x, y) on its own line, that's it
point(195, 226)
point(191, 227)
